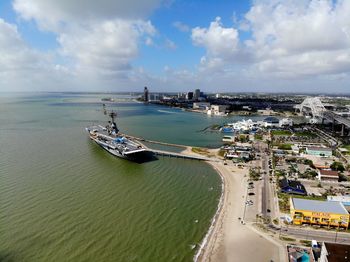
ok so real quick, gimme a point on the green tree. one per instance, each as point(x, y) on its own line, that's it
point(337, 166)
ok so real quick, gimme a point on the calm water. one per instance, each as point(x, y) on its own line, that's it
point(63, 198)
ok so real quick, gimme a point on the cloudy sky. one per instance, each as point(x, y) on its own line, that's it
point(175, 45)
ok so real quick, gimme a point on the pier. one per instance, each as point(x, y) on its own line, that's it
point(169, 153)
point(140, 139)
point(179, 155)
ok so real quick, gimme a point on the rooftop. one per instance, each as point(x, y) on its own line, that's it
point(337, 252)
point(315, 148)
point(271, 119)
point(329, 173)
point(319, 206)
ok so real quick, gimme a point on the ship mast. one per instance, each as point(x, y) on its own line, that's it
point(112, 114)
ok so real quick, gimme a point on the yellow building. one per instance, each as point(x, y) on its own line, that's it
point(323, 213)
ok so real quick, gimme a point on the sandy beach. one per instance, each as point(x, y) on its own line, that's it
point(228, 239)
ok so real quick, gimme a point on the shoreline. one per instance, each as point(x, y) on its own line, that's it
point(214, 220)
point(227, 239)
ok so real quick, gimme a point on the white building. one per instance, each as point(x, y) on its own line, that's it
point(154, 97)
point(271, 122)
point(217, 110)
point(201, 105)
point(286, 122)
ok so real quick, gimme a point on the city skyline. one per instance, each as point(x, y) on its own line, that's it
point(175, 46)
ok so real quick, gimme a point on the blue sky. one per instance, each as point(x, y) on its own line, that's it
point(218, 46)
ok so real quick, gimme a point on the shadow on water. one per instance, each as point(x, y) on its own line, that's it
point(143, 157)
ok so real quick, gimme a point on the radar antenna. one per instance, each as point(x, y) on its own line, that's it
point(112, 114)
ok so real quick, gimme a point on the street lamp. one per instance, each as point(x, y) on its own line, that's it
point(336, 232)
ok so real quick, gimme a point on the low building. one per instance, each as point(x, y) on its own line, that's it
point(230, 139)
point(328, 175)
point(154, 97)
point(319, 151)
point(286, 122)
point(201, 105)
point(217, 109)
point(322, 213)
point(332, 252)
point(292, 187)
point(271, 122)
point(297, 254)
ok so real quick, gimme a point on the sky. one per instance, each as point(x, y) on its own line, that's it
point(175, 45)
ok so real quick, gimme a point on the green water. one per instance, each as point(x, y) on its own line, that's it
point(63, 198)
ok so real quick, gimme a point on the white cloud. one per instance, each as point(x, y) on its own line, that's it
point(221, 44)
point(298, 39)
point(181, 26)
point(100, 39)
point(105, 47)
point(170, 44)
point(55, 14)
point(289, 40)
point(218, 40)
point(21, 66)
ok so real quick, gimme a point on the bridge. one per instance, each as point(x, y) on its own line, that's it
point(314, 107)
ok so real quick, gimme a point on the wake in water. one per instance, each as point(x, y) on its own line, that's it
point(167, 112)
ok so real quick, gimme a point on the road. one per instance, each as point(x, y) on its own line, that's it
point(310, 234)
point(265, 192)
point(266, 189)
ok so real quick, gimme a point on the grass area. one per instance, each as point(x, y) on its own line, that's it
point(288, 239)
point(306, 243)
point(306, 134)
point(283, 200)
point(220, 153)
point(201, 151)
point(346, 147)
point(285, 147)
point(258, 137)
point(254, 175)
point(281, 133)
point(321, 198)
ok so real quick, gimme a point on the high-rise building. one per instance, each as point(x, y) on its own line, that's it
point(189, 96)
point(145, 94)
point(196, 94)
